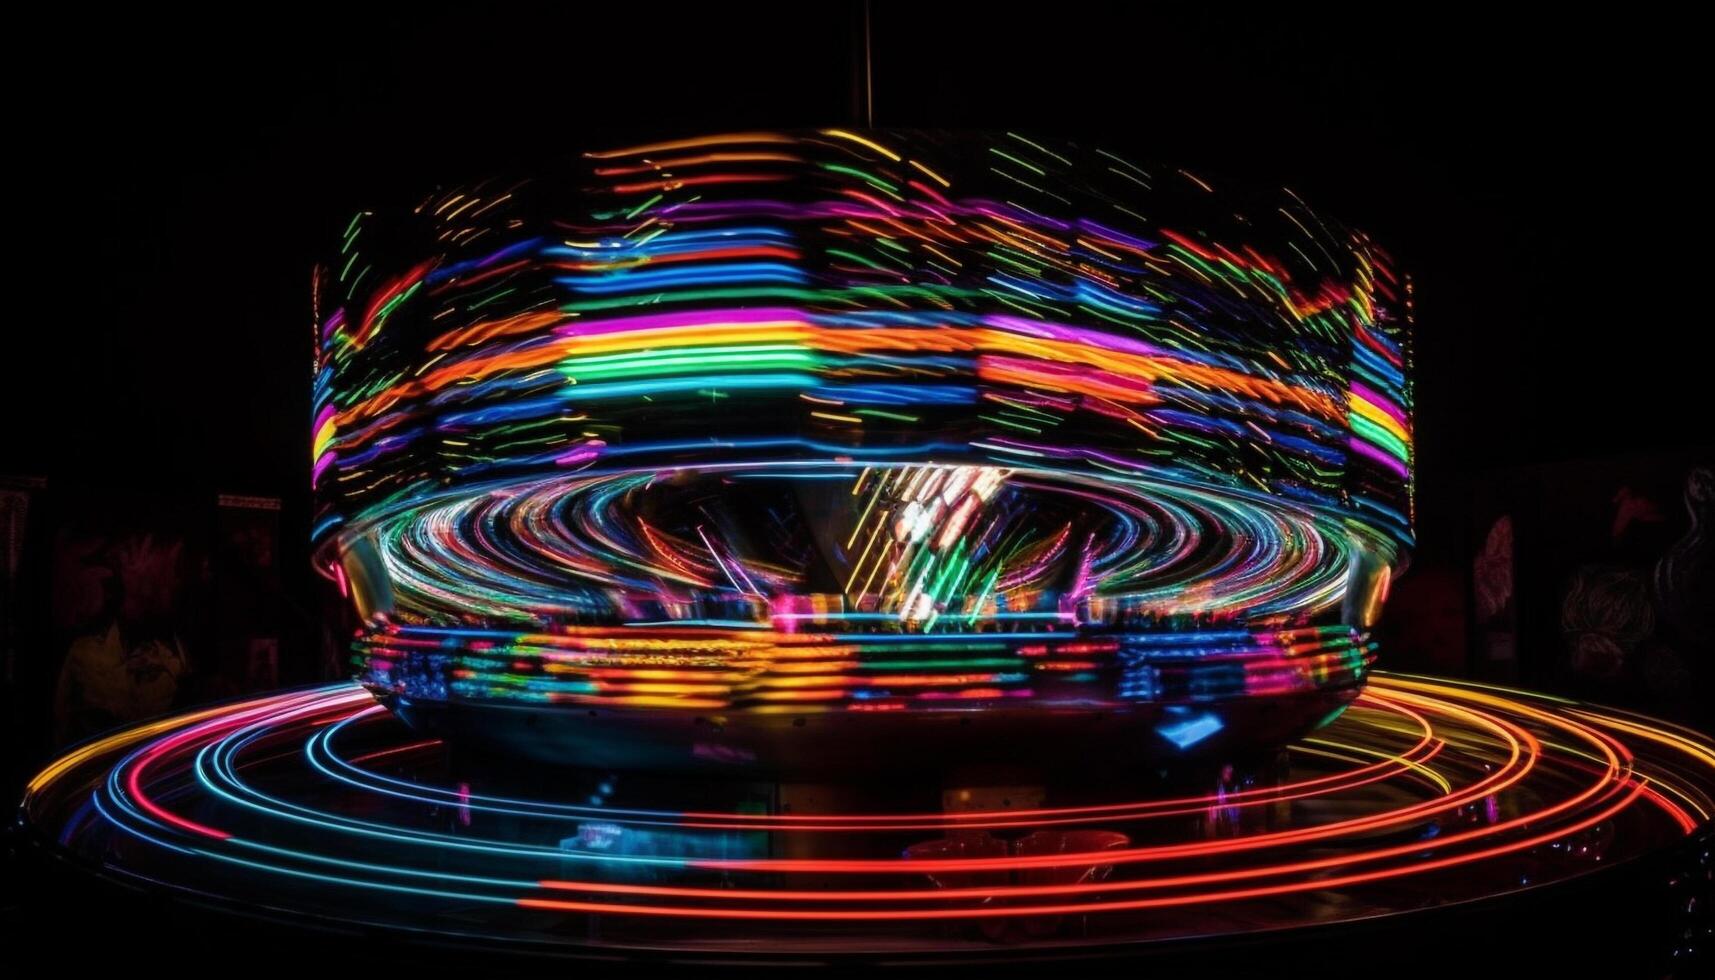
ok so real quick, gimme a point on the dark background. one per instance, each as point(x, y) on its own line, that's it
point(1540, 177)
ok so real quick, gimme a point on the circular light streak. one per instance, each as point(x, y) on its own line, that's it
point(317, 802)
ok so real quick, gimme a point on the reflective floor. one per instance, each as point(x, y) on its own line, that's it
point(318, 806)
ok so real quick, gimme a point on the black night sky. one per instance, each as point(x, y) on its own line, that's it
point(1536, 177)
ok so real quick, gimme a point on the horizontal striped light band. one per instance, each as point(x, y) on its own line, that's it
point(719, 421)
